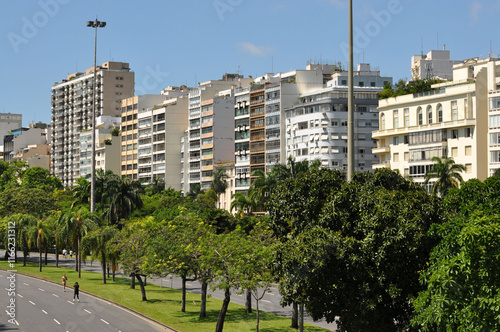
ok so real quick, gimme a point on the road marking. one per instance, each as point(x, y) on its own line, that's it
point(104, 321)
point(70, 302)
point(43, 290)
point(25, 284)
point(266, 301)
point(16, 322)
point(87, 311)
point(32, 303)
point(45, 312)
point(19, 295)
point(55, 320)
point(55, 295)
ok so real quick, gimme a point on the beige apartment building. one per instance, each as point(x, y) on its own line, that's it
point(459, 119)
point(72, 108)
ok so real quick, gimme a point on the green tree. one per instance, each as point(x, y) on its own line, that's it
point(25, 200)
point(132, 242)
point(81, 192)
point(75, 224)
point(462, 278)
point(219, 182)
point(42, 231)
point(447, 174)
point(124, 199)
point(38, 177)
point(244, 204)
point(96, 242)
point(359, 257)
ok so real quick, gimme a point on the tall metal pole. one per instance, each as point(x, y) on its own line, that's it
point(92, 169)
point(94, 24)
point(350, 104)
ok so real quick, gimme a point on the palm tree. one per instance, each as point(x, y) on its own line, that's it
point(447, 174)
point(219, 182)
point(497, 172)
point(24, 229)
point(41, 230)
point(124, 199)
point(244, 204)
point(96, 242)
point(76, 224)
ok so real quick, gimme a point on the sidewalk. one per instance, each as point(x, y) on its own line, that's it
point(270, 303)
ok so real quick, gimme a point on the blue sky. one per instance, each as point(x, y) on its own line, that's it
point(183, 42)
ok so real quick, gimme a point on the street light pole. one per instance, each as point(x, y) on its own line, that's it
point(350, 104)
point(94, 24)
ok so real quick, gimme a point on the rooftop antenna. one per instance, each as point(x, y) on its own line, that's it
point(491, 50)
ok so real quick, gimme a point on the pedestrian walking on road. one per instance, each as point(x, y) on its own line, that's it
point(65, 253)
point(71, 253)
point(64, 279)
point(76, 289)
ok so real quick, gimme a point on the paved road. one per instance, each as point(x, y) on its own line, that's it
point(44, 306)
point(270, 302)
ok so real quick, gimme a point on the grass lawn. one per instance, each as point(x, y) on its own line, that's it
point(164, 304)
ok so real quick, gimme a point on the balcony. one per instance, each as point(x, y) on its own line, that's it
point(438, 125)
point(384, 149)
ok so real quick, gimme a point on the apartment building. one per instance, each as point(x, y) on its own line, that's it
point(72, 111)
point(434, 64)
point(30, 144)
point(316, 125)
point(9, 122)
point(160, 128)
point(107, 147)
point(242, 139)
point(210, 134)
point(130, 108)
point(457, 119)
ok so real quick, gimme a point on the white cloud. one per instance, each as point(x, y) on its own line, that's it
point(253, 49)
point(476, 7)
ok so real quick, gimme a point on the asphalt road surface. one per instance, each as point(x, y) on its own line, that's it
point(40, 306)
point(270, 302)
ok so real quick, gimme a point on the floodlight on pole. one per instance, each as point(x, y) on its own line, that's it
point(94, 24)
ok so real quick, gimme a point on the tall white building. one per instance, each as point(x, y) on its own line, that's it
point(459, 119)
point(316, 125)
point(72, 112)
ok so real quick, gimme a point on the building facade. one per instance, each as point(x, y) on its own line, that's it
point(316, 125)
point(457, 119)
point(71, 112)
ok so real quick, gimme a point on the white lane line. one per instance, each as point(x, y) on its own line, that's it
point(45, 312)
point(19, 295)
point(16, 322)
point(25, 284)
point(70, 302)
point(32, 303)
point(55, 320)
point(43, 290)
point(266, 301)
point(87, 311)
point(104, 321)
point(55, 295)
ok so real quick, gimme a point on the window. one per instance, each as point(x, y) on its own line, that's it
point(407, 117)
point(454, 152)
point(395, 140)
point(454, 133)
point(440, 113)
point(395, 157)
point(407, 156)
point(420, 116)
point(396, 119)
point(382, 121)
point(468, 168)
point(344, 123)
point(468, 150)
point(454, 110)
point(335, 123)
point(468, 132)
point(361, 84)
point(429, 114)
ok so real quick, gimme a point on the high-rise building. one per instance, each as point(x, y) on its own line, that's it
point(9, 122)
point(209, 139)
point(72, 111)
point(458, 119)
point(316, 125)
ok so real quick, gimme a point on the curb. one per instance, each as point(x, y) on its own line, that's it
point(104, 299)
